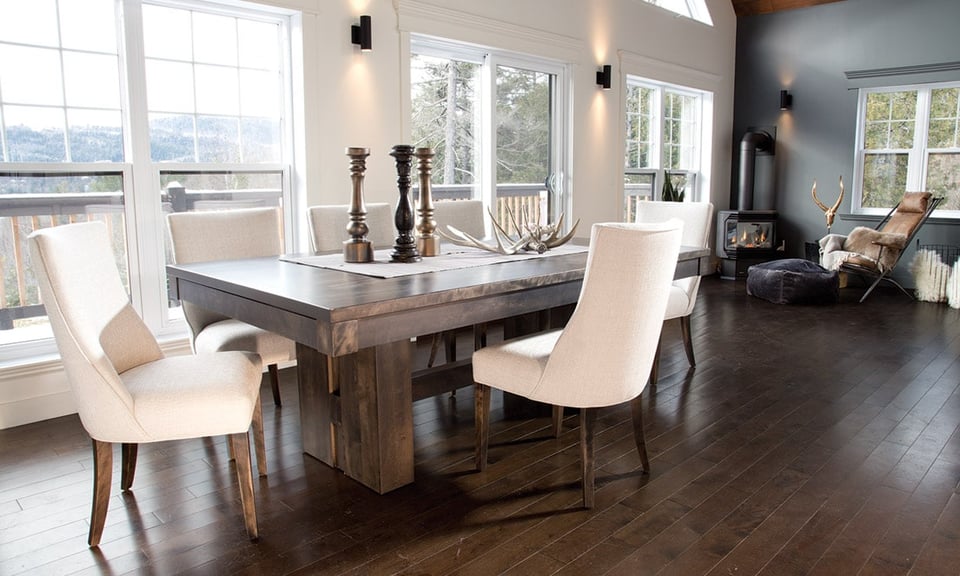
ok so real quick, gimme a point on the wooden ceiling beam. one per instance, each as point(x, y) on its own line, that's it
point(752, 7)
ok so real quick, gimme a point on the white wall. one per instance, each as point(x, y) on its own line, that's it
point(357, 99)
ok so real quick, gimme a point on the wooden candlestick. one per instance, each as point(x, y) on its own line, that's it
point(357, 248)
point(428, 242)
point(405, 247)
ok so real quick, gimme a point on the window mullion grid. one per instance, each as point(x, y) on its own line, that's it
point(658, 137)
point(488, 132)
point(917, 164)
point(145, 238)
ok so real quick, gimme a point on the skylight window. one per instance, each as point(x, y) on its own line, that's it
point(696, 9)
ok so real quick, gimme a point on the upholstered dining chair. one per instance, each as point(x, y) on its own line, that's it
point(328, 226)
point(602, 356)
point(466, 216)
point(125, 390)
point(697, 218)
point(229, 235)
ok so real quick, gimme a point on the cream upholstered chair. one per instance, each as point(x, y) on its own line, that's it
point(697, 219)
point(125, 390)
point(464, 215)
point(602, 356)
point(229, 235)
point(328, 226)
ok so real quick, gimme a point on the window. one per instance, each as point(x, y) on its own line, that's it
point(495, 122)
point(908, 138)
point(664, 139)
point(695, 9)
point(92, 128)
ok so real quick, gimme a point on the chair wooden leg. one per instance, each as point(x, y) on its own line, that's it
point(636, 407)
point(275, 383)
point(687, 339)
point(241, 448)
point(480, 336)
point(655, 367)
point(588, 417)
point(481, 418)
point(258, 442)
point(434, 347)
point(128, 465)
point(102, 478)
point(557, 420)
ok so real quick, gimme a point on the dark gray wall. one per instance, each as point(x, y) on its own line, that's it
point(807, 52)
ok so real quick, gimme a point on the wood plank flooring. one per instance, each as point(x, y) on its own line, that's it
point(807, 440)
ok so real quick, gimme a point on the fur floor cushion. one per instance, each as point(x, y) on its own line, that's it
point(793, 281)
point(881, 248)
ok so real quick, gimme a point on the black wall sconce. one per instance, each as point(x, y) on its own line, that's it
point(604, 76)
point(786, 100)
point(362, 34)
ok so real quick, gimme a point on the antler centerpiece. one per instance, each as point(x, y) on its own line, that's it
point(531, 236)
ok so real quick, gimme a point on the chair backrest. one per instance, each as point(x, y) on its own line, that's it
point(606, 350)
point(328, 226)
point(907, 216)
point(697, 218)
point(210, 205)
point(98, 332)
point(464, 215)
point(222, 235)
point(225, 234)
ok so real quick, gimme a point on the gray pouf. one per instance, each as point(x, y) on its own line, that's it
point(793, 281)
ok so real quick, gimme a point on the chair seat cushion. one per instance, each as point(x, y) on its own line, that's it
point(793, 281)
point(515, 365)
point(192, 396)
point(228, 335)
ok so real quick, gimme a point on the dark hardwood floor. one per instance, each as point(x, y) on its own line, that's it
point(808, 440)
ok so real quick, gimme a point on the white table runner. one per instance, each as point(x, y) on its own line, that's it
point(451, 257)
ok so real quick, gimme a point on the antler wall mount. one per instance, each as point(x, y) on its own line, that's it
point(831, 212)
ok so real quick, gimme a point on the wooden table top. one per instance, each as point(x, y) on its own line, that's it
point(332, 297)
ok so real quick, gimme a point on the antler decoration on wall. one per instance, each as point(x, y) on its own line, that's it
point(532, 237)
point(831, 212)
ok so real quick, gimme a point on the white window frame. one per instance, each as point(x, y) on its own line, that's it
point(144, 221)
point(489, 58)
point(917, 156)
point(701, 138)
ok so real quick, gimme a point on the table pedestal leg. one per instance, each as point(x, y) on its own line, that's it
point(356, 412)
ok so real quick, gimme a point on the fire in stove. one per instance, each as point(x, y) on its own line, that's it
point(756, 238)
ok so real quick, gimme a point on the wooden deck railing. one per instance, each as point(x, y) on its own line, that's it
point(21, 214)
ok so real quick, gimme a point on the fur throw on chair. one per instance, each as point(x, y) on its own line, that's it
point(881, 248)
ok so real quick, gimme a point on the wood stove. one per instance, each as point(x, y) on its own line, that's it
point(748, 236)
point(745, 238)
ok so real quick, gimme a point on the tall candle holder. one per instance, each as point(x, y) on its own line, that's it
point(428, 242)
point(357, 248)
point(405, 247)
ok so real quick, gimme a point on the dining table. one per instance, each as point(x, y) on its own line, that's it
point(355, 325)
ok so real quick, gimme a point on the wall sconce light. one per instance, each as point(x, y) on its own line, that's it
point(604, 76)
point(786, 100)
point(362, 34)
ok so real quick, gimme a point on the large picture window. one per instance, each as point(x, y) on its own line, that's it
point(664, 137)
point(95, 128)
point(908, 139)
